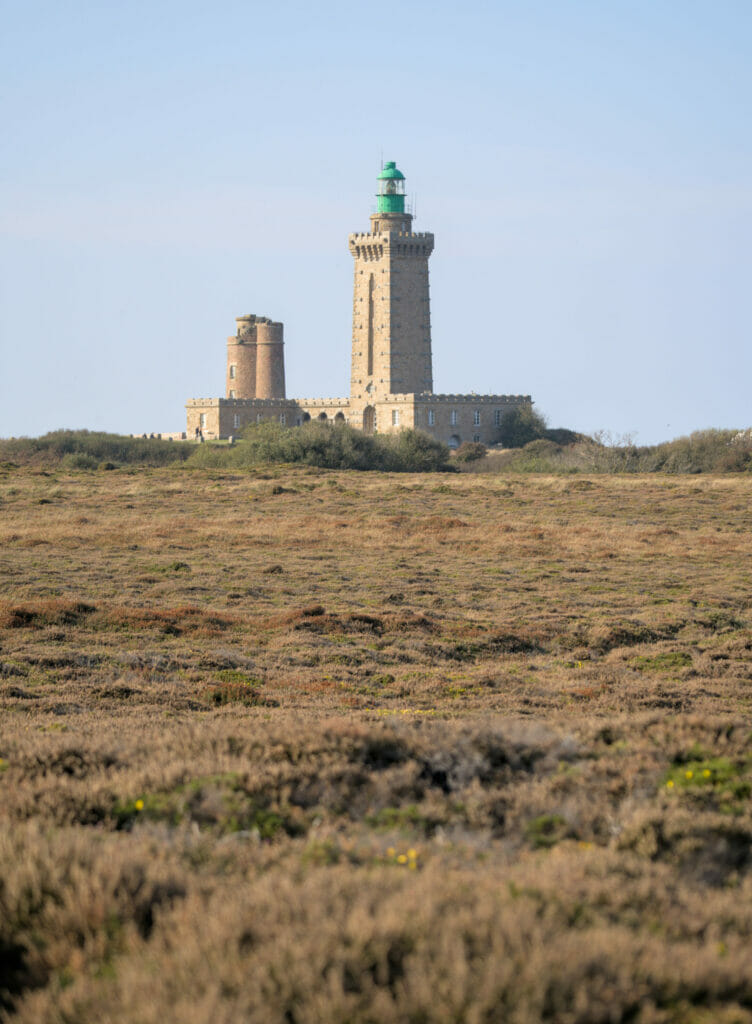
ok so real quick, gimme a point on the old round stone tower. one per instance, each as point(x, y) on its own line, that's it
point(255, 359)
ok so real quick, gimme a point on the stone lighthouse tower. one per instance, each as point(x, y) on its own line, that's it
point(391, 336)
point(391, 373)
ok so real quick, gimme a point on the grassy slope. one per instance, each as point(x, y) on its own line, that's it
point(305, 746)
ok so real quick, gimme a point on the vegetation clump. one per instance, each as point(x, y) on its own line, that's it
point(470, 451)
point(532, 447)
point(328, 447)
point(520, 426)
point(88, 449)
point(553, 451)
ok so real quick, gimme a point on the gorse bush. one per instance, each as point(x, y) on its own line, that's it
point(412, 451)
point(328, 447)
point(84, 449)
point(520, 426)
point(705, 451)
point(470, 451)
point(314, 444)
point(79, 460)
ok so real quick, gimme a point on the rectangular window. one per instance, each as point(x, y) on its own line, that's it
point(497, 417)
point(282, 418)
point(431, 418)
point(395, 417)
point(476, 437)
point(232, 371)
point(202, 420)
point(476, 418)
point(453, 417)
point(232, 394)
point(236, 421)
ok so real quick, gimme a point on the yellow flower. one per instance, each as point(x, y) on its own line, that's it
point(412, 865)
point(689, 774)
point(670, 784)
point(412, 854)
point(139, 805)
point(402, 859)
point(391, 851)
point(706, 773)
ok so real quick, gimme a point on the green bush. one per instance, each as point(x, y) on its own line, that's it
point(539, 456)
point(704, 451)
point(79, 460)
point(470, 451)
point(520, 426)
point(562, 436)
point(84, 449)
point(328, 447)
point(412, 451)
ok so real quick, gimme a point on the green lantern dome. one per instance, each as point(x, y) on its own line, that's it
point(391, 194)
point(391, 171)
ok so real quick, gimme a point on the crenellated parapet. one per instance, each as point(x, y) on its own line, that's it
point(472, 399)
point(339, 403)
point(385, 235)
point(239, 403)
point(370, 246)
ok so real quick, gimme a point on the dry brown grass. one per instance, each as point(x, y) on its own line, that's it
point(311, 746)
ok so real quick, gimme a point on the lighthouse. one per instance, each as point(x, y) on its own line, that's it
point(391, 368)
point(391, 327)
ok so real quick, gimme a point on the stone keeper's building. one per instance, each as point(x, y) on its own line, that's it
point(391, 376)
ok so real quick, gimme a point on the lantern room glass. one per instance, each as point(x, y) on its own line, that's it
point(391, 187)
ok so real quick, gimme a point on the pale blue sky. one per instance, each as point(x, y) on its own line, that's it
point(586, 168)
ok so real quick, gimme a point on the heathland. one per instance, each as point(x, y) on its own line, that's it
point(302, 745)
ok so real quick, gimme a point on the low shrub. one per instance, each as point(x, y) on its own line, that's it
point(554, 451)
point(328, 447)
point(85, 449)
point(470, 451)
point(79, 460)
point(562, 436)
point(520, 426)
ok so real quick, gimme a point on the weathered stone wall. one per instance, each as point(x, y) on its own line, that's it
point(234, 416)
point(449, 418)
point(226, 417)
point(203, 413)
point(458, 418)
